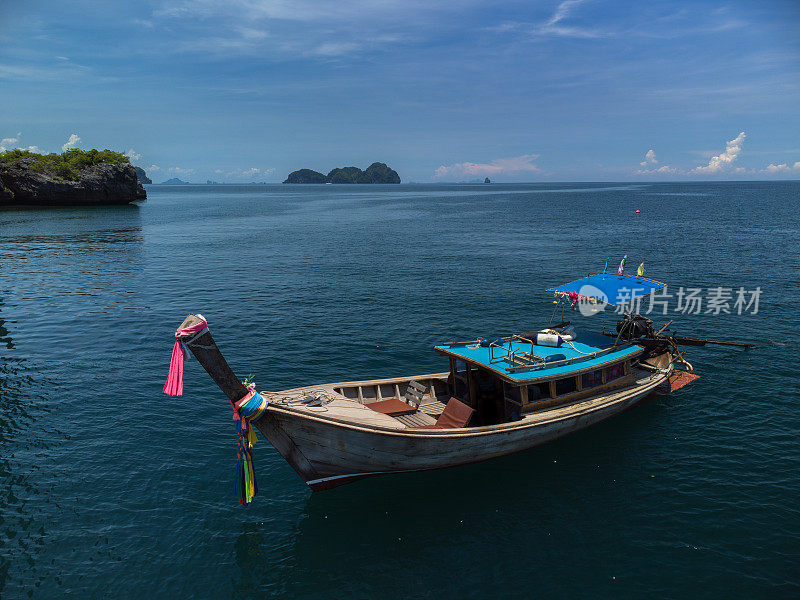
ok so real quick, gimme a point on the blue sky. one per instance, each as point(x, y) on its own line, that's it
point(248, 90)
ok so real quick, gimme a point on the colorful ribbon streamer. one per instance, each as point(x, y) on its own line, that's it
point(174, 384)
point(246, 410)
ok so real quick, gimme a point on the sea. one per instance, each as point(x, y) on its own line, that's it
point(110, 489)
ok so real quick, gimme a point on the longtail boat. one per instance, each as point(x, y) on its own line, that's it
point(498, 396)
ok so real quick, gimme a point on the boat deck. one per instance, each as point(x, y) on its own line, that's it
point(347, 410)
point(518, 361)
point(338, 407)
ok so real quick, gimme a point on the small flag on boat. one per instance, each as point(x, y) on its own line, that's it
point(621, 270)
point(640, 270)
point(606, 267)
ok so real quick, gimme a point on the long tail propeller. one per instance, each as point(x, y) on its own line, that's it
point(639, 329)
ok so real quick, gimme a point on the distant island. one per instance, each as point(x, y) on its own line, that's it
point(375, 173)
point(75, 177)
point(487, 180)
point(174, 181)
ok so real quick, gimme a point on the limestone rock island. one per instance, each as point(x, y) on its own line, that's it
point(76, 177)
point(375, 173)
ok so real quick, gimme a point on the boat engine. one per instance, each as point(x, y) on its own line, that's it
point(639, 330)
point(635, 326)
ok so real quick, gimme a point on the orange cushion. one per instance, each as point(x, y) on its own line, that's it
point(392, 407)
point(456, 415)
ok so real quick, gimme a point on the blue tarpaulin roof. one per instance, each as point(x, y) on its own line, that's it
point(581, 355)
point(610, 288)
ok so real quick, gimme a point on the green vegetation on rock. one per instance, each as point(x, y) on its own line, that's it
point(66, 166)
point(345, 175)
point(379, 173)
point(306, 176)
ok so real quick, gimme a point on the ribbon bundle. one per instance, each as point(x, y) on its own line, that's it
point(574, 298)
point(174, 383)
point(247, 409)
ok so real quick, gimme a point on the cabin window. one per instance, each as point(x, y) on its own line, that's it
point(614, 372)
point(512, 406)
point(565, 386)
point(512, 392)
point(486, 383)
point(592, 379)
point(461, 366)
point(537, 391)
point(461, 389)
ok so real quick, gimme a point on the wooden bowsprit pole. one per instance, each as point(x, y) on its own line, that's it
point(248, 405)
point(205, 350)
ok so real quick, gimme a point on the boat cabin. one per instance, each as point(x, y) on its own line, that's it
point(510, 378)
point(505, 378)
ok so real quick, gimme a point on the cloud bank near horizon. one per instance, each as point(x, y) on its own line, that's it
point(515, 168)
point(515, 165)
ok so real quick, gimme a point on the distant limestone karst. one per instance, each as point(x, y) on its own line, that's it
point(306, 176)
point(375, 173)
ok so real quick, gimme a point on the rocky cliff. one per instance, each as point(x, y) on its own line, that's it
point(142, 176)
point(101, 183)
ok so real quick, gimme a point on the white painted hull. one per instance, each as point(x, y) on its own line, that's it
point(326, 452)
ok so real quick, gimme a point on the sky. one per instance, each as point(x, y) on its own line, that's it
point(571, 90)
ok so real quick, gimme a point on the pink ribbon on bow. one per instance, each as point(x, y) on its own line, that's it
point(174, 383)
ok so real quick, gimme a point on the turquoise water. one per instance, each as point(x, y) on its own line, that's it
point(110, 489)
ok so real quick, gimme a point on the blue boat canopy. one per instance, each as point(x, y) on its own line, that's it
point(610, 288)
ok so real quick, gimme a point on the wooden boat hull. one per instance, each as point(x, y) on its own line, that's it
point(327, 453)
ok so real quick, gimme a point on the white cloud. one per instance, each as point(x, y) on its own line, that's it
point(335, 48)
point(133, 155)
point(663, 170)
point(721, 161)
point(773, 169)
point(563, 10)
point(649, 158)
point(318, 29)
point(153, 168)
point(10, 142)
point(516, 164)
point(73, 141)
